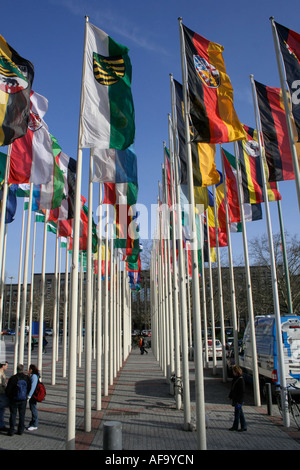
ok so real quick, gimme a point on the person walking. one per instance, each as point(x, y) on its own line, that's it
point(34, 378)
point(236, 394)
point(4, 401)
point(17, 390)
point(144, 346)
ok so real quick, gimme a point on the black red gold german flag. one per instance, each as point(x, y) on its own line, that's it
point(210, 92)
point(290, 49)
point(275, 133)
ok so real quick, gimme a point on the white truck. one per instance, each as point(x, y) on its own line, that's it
point(266, 346)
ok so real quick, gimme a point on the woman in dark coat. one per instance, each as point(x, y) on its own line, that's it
point(237, 396)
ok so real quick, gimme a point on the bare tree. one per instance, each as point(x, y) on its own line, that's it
point(260, 255)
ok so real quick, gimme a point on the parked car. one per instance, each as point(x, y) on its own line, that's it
point(267, 354)
point(135, 333)
point(48, 331)
point(218, 349)
point(146, 332)
point(8, 331)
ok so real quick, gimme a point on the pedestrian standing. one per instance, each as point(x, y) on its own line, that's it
point(236, 394)
point(34, 378)
point(17, 390)
point(4, 401)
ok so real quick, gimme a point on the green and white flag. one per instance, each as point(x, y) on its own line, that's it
point(108, 110)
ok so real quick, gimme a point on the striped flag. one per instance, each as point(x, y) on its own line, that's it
point(31, 159)
point(210, 92)
point(203, 154)
point(68, 167)
point(275, 133)
point(252, 211)
point(290, 49)
point(252, 180)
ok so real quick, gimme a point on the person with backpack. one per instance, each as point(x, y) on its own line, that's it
point(34, 378)
point(17, 390)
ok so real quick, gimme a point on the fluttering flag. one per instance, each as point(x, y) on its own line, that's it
point(16, 77)
point(11, 203)
point(252, 211)
point(290, 49)
point(68, 167)
point(115, 166)
point(275, 133)
point(217, 226)
point(252, 180)
point(65, 228)
point(31, 159)
point(210, 92)
point(120, 193)
point(108, 119)
point(51, 195)
point(203, 154)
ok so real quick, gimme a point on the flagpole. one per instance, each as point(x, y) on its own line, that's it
point(19, 293)
point(71, 402)
point(231, 271)
point(3, 272)
point(66, 303)
point(112, 280)
point(24, 285)
point(169, 278)
point(80, 309)
point(4, 202)
point(162, 280)
point(211, 301)
point(58, 300)
point(54, 323)
point(125, 315)
point(99, 309)
point(42, 304)
point(248, 287)
point(203, 290)
point(88, 315)
point(198, 359)
point(285, 259)
point(167, 270)
point(187, 278)
point(175, 278)
point(221, 307)
point(284, 398)
point(287, 109)
point(182, 289)
point(106, 311)
point(31, 295)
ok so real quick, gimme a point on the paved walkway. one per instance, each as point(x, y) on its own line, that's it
point(140, 399)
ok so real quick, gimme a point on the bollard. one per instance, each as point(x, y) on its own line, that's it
point(112, 435)
point(269, 398)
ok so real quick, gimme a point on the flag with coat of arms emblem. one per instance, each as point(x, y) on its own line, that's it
point(210, 92)
point(16, 77)
point(108, 112)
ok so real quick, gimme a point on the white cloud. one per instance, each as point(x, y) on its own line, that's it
point(112, 23)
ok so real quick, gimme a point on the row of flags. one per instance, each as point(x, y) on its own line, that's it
point(203, 116)
point(212, 120)
point(108, 129)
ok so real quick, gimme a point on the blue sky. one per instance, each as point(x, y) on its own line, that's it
point(50, 34)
